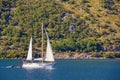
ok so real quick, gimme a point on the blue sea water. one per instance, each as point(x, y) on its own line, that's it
point(63, 70)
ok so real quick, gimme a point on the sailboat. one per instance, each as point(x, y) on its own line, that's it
point(47, 60)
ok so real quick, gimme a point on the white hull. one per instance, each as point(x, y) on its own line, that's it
point(37, 65)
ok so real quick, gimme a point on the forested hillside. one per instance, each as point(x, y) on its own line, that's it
point(72, 25)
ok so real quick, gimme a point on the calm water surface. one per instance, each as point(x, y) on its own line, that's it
point(63, 70)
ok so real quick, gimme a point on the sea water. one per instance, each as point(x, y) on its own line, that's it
point(63, 70)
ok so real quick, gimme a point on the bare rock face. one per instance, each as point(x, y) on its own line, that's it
point(76, 56)
point(61, 56)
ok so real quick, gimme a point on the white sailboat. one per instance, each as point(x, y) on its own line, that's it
point(47, 60)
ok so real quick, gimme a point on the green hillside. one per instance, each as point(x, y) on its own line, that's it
point(72, 25)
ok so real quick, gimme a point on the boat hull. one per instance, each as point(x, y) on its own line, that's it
point(37, 65)
point(32, 65)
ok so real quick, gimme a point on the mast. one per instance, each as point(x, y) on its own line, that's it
point(42, 43)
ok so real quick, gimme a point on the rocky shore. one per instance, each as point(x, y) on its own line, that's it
point(72, 56)
point(76, 56)
point(79, 56)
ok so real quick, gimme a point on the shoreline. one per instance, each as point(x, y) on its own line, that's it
point(67, 59)
point(82, 56)
point(87, 56)
point(93, 58)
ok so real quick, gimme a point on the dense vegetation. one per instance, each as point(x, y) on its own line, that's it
point(72, 25)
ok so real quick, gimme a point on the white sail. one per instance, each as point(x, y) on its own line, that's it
point(29, 55)
point(49, 53)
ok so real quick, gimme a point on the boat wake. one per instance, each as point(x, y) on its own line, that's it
point(45, 68)
point(11, 66)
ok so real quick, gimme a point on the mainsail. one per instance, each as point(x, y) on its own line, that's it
point(49, 54)
point(29, 55)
